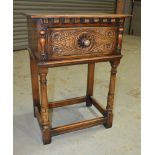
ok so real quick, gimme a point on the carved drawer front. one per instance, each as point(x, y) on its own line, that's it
point(88, 41)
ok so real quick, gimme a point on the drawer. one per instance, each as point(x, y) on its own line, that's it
point(81, 42)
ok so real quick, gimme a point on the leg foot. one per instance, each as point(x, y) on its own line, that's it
point(108, 123)
point(88, 102)
point(46, 136)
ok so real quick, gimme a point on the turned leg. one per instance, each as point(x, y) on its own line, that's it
point(90, 83)
point(110, 99)
point(35, 84)
point(46, 125)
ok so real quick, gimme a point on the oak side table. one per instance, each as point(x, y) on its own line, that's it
point(69, 39)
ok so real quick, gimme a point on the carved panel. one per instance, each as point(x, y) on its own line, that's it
point(82, 41)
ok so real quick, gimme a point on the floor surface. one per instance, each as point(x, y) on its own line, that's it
point(68, 82)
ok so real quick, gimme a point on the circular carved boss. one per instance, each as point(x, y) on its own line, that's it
point(85, 40)
point(56, 36)
point(110, 33)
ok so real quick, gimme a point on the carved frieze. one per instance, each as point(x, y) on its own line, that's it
point(82, 41)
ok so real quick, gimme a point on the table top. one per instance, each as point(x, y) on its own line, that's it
point(75, 15)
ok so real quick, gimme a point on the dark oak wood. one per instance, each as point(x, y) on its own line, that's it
point(38, 116)
point(78, 15)
point(35, 85)
point(66, 102)
point(78, 126)
point(110, 98)
point(46, 125)
point(89, 37)
point(68, 62)
point(90, 83)
point(70, 39)
point(98, 106)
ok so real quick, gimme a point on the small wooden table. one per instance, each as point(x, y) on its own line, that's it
point(69, 39)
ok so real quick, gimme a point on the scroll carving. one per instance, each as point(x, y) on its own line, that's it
point(82, 41)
